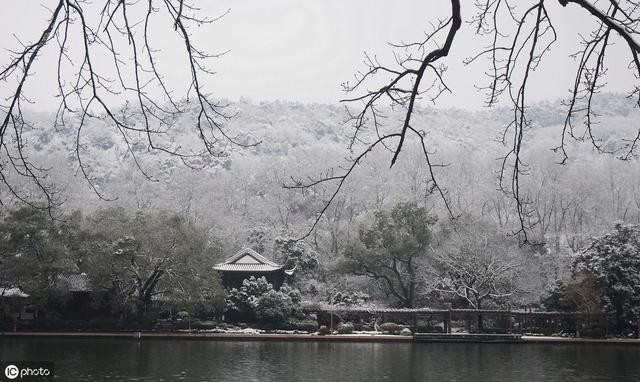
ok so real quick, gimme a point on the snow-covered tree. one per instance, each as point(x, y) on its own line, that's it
point(257, 299)
point(392, 251)
point(141, 256)
point(34, 249)
point(479, 265)
point(614, 260)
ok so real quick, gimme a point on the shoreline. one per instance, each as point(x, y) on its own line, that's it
point(215, 336)
point(381, 338)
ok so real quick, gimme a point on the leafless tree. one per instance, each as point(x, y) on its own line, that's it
point(520, 37)
point(477, 277)
point(477, 265)
point(106, 54)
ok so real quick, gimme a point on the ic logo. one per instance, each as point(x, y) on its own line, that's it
point(27, 370)
point(11, 371)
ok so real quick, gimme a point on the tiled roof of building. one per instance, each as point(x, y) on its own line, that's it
point(75, 282)
point(248, 260)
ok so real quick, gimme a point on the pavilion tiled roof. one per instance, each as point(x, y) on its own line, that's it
point(75, 282)
point(72, 282)
point(248, 260)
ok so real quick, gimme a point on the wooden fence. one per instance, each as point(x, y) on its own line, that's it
point(469, 320)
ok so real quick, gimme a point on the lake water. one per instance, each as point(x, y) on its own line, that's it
point(183, 360)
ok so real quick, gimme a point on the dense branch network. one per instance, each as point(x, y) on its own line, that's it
point(105, 54)
point(519, 38)
point(406, 87)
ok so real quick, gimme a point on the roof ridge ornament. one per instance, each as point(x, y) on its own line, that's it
point(289, 272)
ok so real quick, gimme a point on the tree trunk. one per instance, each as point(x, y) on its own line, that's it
point(412, 292)
point(622, 326)
point(479, 317)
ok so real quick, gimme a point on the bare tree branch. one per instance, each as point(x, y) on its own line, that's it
point(113, 29)
point(519, 38)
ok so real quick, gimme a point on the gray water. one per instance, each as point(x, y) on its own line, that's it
point(180, 360)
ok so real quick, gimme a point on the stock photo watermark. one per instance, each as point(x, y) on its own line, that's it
point(26, 371)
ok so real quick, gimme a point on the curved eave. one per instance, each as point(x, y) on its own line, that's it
point(247, 268)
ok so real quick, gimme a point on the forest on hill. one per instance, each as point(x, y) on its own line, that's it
point(238, 200)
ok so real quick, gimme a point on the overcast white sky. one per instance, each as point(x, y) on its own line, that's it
point(302, 50)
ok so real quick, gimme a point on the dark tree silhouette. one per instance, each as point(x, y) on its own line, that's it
point(520, 36)
point(393, 251)
point(115, 59)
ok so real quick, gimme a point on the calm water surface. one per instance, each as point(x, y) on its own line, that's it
point(177, 360)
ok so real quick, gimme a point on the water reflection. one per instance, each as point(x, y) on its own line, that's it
point(175, 360)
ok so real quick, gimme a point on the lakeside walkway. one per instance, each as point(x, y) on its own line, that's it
point(301, 337)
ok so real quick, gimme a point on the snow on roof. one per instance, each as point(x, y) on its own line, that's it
point(248, 260)
point(73, 282)
point(12, 292)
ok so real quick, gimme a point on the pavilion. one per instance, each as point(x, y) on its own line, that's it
point(246, 263)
